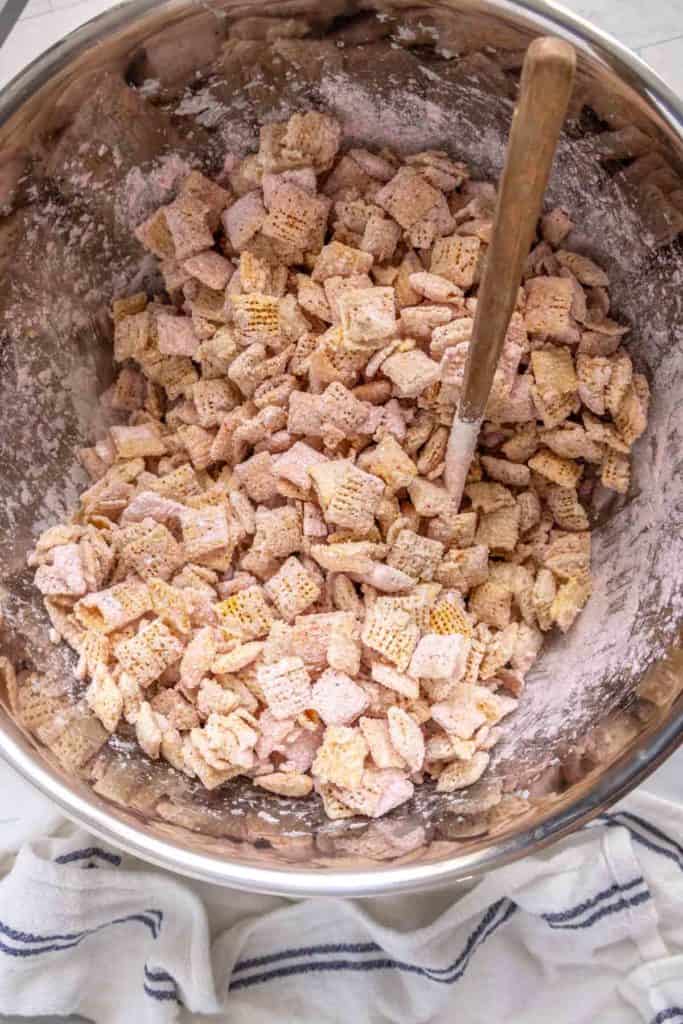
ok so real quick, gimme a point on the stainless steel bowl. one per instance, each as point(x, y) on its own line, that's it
point(149, 85)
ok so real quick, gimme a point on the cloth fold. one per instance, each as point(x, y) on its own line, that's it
point(591, 929)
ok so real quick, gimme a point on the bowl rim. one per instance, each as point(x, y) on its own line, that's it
point(625, 774)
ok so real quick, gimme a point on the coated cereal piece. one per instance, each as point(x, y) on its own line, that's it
point(435, 288)
point(312, 298)
point(149, 653)
point(411, 373)
point(198, 444)
point(439, 656)
point(489, 497)
point(243, 219)
point(278, 530)
point(499, 651)
point(141, 441)
point(347, 556)
point(155, 236)
point(390, 462)
point(593, 373)
point(407, 197)
point(571, 441)
point(568, 556)
point(213, 399)
point(548, 307)
point(205, 532)
point(381, 750)
point(338, 260)
point(210, 268)
point(288, 784)
point(378, 792)
point(528, 644)
point(462, 774)
point(449, 617)
point(603, 433)
point(296, 217)
point(584, 269)
point(340, 408)
point(631, 417)
point(621, 375)
point(406, 738)
point(179, 484)
point(499, 530)
point(187, 219)
point(415, 555)
point(512, 474)
point(341, 757)
point(523, 443)
point(405, 685)
point(380, 237)
point(464, 569)
point(245, 614)
point(257, 318)
point(491, 603)
point(311, 140)
point(105, 699)
point(343, 649)
point(286, 686)
point(571, 597)
point(256, 475)
point(457, 259)
point(454, 530)
point(112, 609)
point(392, 633)
point(129, 391)
point(148, 730)
point(171, 605)
point(554, 373)
point(198, 658)
point(543, 596)
point(566, 508)
point(292, 589)
point(176, 336)
point(430, 499)
point(64, 577)
point(149, 550)
point(616, 472)
point(213, 698)
point(175, 374)
point(128, 305)
point(337, 699)
point(529, 510)
point(294, 464)
point(553, 467)
point(354, 500)
point(367, 316)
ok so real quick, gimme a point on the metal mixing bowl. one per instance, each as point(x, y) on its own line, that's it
point(81, 130)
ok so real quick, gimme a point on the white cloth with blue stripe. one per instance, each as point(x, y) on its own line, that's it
point(590, 930)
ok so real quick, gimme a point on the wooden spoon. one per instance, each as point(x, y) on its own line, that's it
point(545, 88)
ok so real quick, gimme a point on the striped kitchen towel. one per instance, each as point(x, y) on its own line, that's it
point(588, 931)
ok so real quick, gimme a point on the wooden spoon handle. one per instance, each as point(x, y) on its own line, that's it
point(545, 88)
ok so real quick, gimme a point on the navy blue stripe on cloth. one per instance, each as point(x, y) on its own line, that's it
point(580, 908)
point(447, 975)
point(162, 995)
point(649, 827)
point(613, 908)
point(669, 1014)
point(157, 975)
point(56, 942)
point(154, 975)
point(614, 821)
point(291, 954)
point(88, 854)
